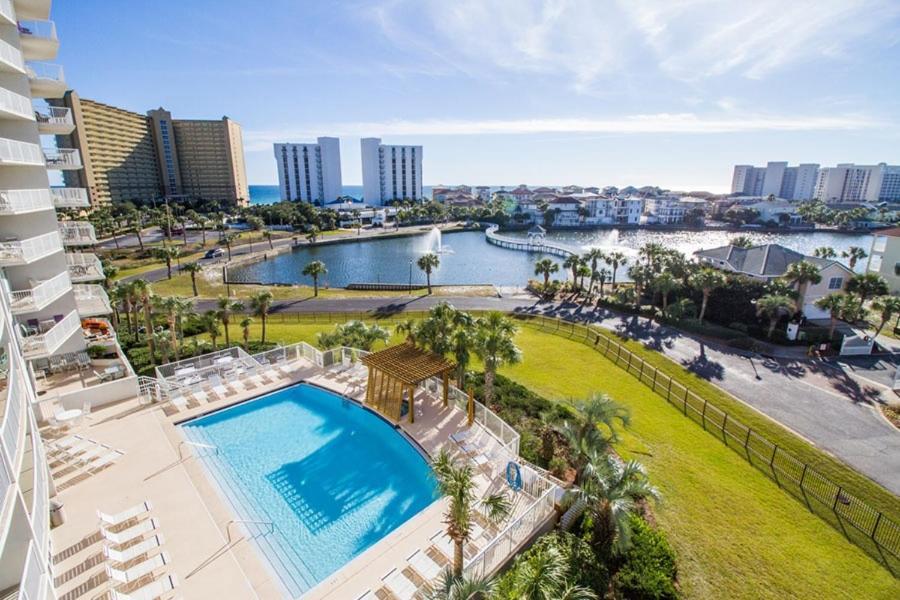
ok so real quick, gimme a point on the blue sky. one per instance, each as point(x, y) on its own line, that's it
point(512, 91)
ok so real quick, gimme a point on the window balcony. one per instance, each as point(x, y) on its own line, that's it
point(70, 197)
point(43, 338)
point(77, 233)
point(92, 300)
point(38, 39)
point(15, 106)
point(16, 153)
point(23, 252)
point(11, 60)
point(64, 159)
point(40, 295)
point(57, 121)
point(47, 80)
point(84, 267)
point(21, 202)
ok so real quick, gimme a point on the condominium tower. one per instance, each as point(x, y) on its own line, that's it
point(390, 172)
point(40, 306)
point(310, 172)
point(858, 183)
point(776, 178)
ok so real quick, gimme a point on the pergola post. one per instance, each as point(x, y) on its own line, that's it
point(446, 378)
point(412, 407)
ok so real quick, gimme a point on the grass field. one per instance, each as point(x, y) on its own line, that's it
point(736, 533)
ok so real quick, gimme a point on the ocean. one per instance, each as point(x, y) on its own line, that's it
point(269, 194)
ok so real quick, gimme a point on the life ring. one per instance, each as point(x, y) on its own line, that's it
point(513, 476)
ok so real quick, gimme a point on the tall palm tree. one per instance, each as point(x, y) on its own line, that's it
point(245, 330)
point(802, 273)
point(143, 290)
point(315, 269)
point(602, 275)
point(665, 284)
point(495, 345)
point(312, 234)
point(773, 307)
point(133, 303)
point(461, 342)
point(260, 303)
point(834, 304)
point(854, 254)
point(867, 285)
point(596, 431)
point(163, 343)
point(407, 328)
point(227, 306)
point(742, 241)
point(615, 260)
point(227, 240)
point(168, 254)
point(192, 268)
point(706, 280)
point(544, 575)
point(457, 482)
point(255, 224)
point(545, 267)
point(453, 587)
point(824, 252)
point(887, 307)
point(592, 257)
point(652, 253)
point(170, 306)
point(582, 272)
point(116, 296)
point(427, 263)
point(572, 262)
point(210, 323)
point(135, 224)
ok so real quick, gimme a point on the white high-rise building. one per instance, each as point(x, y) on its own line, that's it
point(390, 172)
point(852, 183)
point(776, 179)
point(310, 172)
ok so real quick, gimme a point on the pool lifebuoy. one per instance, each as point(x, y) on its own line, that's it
point(513, 476)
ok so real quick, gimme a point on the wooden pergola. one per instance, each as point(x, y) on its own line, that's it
point(398, 370)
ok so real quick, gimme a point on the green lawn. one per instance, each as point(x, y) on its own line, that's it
point(736, 533)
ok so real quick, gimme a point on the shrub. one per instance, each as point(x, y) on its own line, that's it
point(647, 570)
point(97, 351)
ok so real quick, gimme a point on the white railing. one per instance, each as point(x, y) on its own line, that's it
point(60, 158)
point(57, 116)
point(13, 420)
point(12, 56)
point(14, 202)
point(40, 505)
point(91, 299)
point(70, 197)
point(38, 71)
point(22, 301)
point(34, 346)
point(15, 104)
point(20, 153)
point(37, 29)
point(34, 580)
point(6, 11)
point(537, 245)
point(25, 251)
point(77, 233)
point(84, 266)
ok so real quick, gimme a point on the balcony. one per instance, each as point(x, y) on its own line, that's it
point(77, 233)
point(32, 9)
point(21, 202)
point(64, 159)
point(84, 267)
point(11, 59)
point(91, 300)
point(23, 252)
point(47, 79)
point(38, 39)
point(43, 338)
point(15, 106)
point(16, 153)
point(57, 121)
point(40, 295)
point(7, 14)
point(70, 197)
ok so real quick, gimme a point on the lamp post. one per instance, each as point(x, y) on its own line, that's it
point(410, 273)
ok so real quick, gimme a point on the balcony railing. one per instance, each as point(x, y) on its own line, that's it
point(77, 233)
point(23, 252)
point(15, 104)
point(6, 11)
point(40, 295)
point(18, 202)
point(38, 29)
point(62, 158)
point(11, 58)
point(40, 509)
point(35, 581)
point(84, 267)
point(58, 120)
point(46, 343)
point(91, 300)
point(11, 428)
point(14, 152)
point(47, 79)
point(70, 197)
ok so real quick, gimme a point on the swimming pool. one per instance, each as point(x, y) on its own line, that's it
point(332, 477)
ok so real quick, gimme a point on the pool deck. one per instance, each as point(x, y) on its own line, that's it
point(194, 520)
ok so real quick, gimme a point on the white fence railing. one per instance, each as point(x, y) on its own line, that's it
point(57, 116)
point(12, 56)
point(20, 153)
point(13, 202)
point(70, 197)
point(25, 251)
point(22, 301)
point(62, 158)
point(92, 299)
point(37, 29)
point(12, 425)
point(34, 579)
point(46, 343)
point(77, 233)
point(40, 505)
point(84, 266)
point(15, 104)
point(45, 71)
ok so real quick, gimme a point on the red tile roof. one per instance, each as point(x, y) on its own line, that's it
point(892, 232)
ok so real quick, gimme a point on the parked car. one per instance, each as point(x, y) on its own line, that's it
point(214, 253)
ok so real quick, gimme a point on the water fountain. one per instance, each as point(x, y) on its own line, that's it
point(434, 242)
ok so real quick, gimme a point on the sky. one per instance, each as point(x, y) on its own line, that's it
point(501, 92)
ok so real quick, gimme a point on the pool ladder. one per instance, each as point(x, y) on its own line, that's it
point(215, 449)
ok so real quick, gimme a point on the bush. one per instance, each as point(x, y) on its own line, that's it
point(98, 351)
point(647, 570)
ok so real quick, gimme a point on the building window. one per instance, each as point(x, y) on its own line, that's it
point(835, 283)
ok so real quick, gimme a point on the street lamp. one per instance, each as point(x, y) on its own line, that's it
point(410, 273)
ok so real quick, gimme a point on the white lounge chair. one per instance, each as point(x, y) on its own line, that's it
point(79, 447)
point(126, 515)
point(424, 565)
point(103, 461)
point(399, 585)
point(139, 570)
point(150, 591)
point(179, 401)
point(460, 435)
point(123, 537)
point(92, 453)
point(132, 552)
point(64, 443)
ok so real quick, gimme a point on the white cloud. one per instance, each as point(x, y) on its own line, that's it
point(684, 123)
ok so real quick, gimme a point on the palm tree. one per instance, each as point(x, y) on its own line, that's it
point(457, 482)
point(192, 268)
point(652, 253)
point(162, 342)
point(227, 306)
point(453, 587)
point(593, 434)
point(773, 307)
point(170, 307)
point(312, 234)
point(260, 303)
point(168, 254)
point(573, 261)
point(545, 267)
point(593, 256)
point(210, 324)
point(267, 235)
point(495, 345)
point(227, 240)
point(866, 285)
point(801, 274)
point(834, 304)
point(854, 253)
point(315, 269)
point(255, 224)
point(200, 221)
point(582, 272)
point(245, 329)
point(461, 342)
point(706, 280)
point(135, 223)
point(109, 274)
point(407, 328)
point(544, 575)
point(428, 262)
point(602, 276)
point(615, 260)
point(143, 291)
point(887, 307)
point(742, 241)
point(824, 252)
point(665, 284)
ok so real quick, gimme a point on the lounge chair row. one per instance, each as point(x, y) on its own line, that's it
point(133, 535)
point(81, 452)
point(238, 380)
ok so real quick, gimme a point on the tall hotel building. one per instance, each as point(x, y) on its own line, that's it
point(43, 296)
point(310, 172)
point(390, 172)
point(776, 178)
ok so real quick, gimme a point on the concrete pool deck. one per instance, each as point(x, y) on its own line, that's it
point(208, 552)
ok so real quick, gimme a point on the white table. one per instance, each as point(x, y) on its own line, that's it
point(114, 372)
point(66, 417)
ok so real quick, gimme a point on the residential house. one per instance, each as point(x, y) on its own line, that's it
point(663, 210)
point(777, 210)
point(884, 257)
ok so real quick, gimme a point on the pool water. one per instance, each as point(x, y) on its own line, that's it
point(331, 476)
